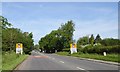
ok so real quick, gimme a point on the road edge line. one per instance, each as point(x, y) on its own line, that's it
point(95, 60)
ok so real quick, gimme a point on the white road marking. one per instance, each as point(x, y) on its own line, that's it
point(80, 68)
point(62, 62)
point(53, 58)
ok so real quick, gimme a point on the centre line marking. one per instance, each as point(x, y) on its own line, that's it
point(62, 62)
point(80, 68)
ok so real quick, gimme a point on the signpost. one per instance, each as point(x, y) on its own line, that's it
point(19, 48)
point(73, 48)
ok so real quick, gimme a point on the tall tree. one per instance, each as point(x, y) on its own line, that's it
point(66, 31)
point(4, 22)
point(58, 39)
point(98, 39)
point(11, 36)
point(31, 35)
point(91, 39)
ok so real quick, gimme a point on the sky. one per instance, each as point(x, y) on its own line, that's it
point(59, 0)
point(41, 18)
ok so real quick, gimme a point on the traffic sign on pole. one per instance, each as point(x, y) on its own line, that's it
point(73, 48)
point(19, 48)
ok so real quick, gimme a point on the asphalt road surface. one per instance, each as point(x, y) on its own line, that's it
point(42, 61)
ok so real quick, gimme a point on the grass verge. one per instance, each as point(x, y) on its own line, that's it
point(109, 57)
point(11, 60)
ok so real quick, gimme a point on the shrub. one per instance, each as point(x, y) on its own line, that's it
point(101, 49)
point(66, 50)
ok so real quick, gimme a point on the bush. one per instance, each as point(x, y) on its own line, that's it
point(66, 50)
point(86, 49)
point(101, 49)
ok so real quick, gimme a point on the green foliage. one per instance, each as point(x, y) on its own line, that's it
point(109, 57)
point(110, 42)
point(11, 36)
point(83, 41)
point(101, 49)
point(31, 35)
point(58, 39)
point(98, 45)
point(91, 40)
point(36, 47)
point(4, 23)
point(98, 39)
point(66, 31)
point(11, 60)
point(66, 50)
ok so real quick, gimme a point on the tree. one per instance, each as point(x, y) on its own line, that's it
point(98, 39)
point(83, 40)
point(31, 35)
point(66, 32)
point(110, 42)
point(4, 23)
point(58, 39)
point(91, 39)
point(11, 36)
point(36, 47)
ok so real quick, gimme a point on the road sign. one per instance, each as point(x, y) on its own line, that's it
point(19, 48)
point(73, 48)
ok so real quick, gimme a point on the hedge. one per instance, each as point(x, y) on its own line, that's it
point(101, 49)
point(66, 50)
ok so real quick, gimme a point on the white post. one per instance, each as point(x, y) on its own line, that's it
point(71, 50)
point(104, 53)
point(55, 51)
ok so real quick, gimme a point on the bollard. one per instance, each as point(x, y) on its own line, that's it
point(104, 53)
point(55, 51)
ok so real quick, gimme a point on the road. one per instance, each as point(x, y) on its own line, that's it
point(42, 61)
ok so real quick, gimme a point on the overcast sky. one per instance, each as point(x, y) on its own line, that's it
point(41, 18)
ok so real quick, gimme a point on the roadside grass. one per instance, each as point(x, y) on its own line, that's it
point(109, 57)
point(11, 60)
